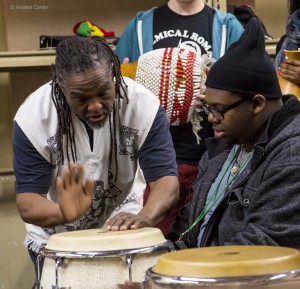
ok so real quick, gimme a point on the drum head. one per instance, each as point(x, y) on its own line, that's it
point(228, 261)
point(104, 240)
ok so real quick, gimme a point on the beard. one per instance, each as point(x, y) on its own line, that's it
point(102, 115)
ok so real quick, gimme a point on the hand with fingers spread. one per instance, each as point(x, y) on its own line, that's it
point(290, 70)
point(74, 196)
point(126, 221)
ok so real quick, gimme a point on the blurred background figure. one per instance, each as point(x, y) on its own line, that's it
point(289, 69)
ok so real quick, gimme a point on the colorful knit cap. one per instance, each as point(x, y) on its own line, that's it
point(176, 76)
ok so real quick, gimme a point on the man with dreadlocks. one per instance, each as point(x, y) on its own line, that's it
point(78, 143)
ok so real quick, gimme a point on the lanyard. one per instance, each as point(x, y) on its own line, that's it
point(212, 202)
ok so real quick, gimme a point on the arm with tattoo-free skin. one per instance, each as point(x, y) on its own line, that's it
point(157, 160)
point(74, 198)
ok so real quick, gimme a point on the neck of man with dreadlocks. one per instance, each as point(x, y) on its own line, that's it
point(86, 74)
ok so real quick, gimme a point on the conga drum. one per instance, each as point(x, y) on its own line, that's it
point(98, 258)
point(226, 267)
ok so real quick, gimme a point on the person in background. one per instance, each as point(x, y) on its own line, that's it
point(244, 13)
point(78, 141)
point(289, 69)
point(247, 190)
point(190, 24)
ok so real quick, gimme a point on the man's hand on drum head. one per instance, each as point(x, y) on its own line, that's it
point(125, 221)
point(74, 196)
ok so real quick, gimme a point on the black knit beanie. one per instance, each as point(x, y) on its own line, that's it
point(246, 67)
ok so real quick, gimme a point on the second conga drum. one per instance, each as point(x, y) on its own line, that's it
point(99, 258)
point(226, 267)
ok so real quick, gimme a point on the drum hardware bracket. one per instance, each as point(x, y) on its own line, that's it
point(58, 263)
point(128, 260)
point(39, 275)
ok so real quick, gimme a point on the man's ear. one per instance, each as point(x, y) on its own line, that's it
point(259, 103)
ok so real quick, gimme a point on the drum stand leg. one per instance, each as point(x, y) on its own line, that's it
point(39, 274)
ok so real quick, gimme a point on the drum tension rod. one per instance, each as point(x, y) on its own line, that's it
point(58, 263)
point(128, 261)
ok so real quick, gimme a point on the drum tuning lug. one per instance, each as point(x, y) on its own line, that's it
point(129, 261)
point(59, 261)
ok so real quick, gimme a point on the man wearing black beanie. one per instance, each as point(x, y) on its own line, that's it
point(247, 191)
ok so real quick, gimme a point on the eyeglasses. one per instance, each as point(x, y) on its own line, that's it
point(219, 114)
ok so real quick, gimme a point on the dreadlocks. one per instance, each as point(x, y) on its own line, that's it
point(75, 55)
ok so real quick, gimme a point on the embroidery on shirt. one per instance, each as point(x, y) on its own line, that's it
point(127, 139)
point(54, 155)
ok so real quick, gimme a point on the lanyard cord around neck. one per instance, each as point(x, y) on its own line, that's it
point(212, 202)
